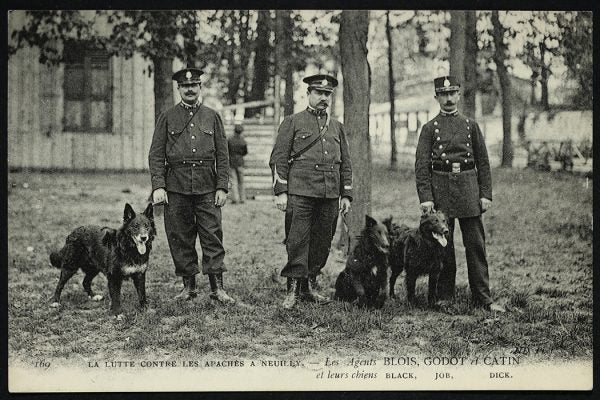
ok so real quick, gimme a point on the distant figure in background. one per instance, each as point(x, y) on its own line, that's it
point(237, 150)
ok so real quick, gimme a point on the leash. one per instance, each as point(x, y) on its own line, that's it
point(347, 232)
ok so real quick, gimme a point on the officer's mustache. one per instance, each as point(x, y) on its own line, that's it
point(190, 93)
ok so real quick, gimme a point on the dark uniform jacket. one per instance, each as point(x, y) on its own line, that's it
point(237, 150)
point(324, 171)
point(445, 140)
point(189, 153)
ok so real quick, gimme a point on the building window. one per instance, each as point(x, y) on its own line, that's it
point(87, 90)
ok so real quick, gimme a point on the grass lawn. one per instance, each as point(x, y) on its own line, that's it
point(539, 243)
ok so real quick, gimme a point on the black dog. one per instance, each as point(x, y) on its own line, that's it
point(366, 274)
point(119, 254)
point(419, 251)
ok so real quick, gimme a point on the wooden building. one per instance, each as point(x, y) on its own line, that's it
point(92, 112)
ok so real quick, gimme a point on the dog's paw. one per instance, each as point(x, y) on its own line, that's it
point(55, 305)
point(96, 297)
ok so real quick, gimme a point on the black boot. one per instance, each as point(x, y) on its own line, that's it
point(189, 288)
point(307, 294)
point(293, 291)
point(216, 289)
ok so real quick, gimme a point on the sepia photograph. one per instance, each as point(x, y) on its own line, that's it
point(292, 200)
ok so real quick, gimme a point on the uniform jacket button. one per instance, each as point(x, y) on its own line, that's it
point(441, 146)
point(443, 154)
point(325, 152)
point(436, 130)
point(193, 150)
point(468, 144)
point(191, 124)
point(439, 138)
point(447, 161)
point(468, 154)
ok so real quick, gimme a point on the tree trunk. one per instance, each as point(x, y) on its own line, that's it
point(391, 92)
point(470, 64)
point(283, 47)
point(288, 96)
point(353, 33)
point(499, 59)
point(544, 75)
point(457, 47)
point(261, 60)
point(533, 82)
point(163, 84)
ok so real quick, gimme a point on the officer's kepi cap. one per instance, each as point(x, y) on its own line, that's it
point(321, 82)
point(188, 76)
point(446, 84)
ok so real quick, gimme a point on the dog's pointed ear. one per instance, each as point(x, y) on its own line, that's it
point(149, 211)
point(370, 221)
point(128, 214)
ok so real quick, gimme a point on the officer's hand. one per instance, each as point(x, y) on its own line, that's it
point(486, 204)
point(281, 201)
point(344, 205)
point(427, 207)
point(220, 198)
point(159, 196)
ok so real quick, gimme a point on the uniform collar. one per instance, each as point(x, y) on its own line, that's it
point(190, 106)
point(316, 112)
point(448, 114)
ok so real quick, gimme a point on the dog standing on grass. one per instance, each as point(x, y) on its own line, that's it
point(118, 253)
point(366, 277)
point(418, 251)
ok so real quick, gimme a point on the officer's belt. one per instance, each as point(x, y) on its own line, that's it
point(206, 162)
point(306, 165)
point(448, 167)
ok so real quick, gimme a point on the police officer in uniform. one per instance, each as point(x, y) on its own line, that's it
point(189, 169)
point(453, 175)
point(238, 148)
point(312, 182)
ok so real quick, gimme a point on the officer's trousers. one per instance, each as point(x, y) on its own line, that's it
point(310, 224)
point(188, 217)
point(236, 177)
point(473, 237)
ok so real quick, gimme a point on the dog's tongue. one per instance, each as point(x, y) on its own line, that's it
point(440, 238)
point(141, 247)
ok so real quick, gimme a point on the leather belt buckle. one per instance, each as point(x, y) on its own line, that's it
point(455, 167)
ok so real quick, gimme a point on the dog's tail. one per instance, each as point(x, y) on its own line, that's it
point(56, 259)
